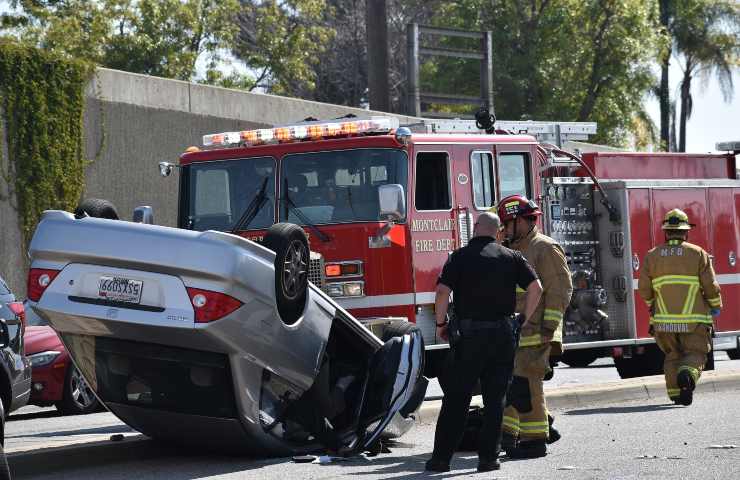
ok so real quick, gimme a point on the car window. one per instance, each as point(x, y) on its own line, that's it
point(512, 173)
point(432, 181)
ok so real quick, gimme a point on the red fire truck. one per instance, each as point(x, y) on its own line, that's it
point(384, 205)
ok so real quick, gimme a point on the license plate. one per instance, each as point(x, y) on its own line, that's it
point(120, 289)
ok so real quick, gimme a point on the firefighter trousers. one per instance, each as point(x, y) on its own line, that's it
point(683, 351)
point(488, 356)
point(525, 416)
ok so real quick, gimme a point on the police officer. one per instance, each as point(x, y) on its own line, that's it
point(483, 276)
point(527, 423)
point(677, 282)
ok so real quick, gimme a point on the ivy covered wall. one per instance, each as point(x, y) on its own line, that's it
point(42, 102)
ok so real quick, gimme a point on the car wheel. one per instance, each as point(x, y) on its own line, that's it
point(78, 397)
point(96, 207)
point(290, 244)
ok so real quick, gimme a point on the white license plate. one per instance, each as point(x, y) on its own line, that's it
point(120, 289)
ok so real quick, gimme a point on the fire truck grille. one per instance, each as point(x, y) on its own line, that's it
point(316, 269)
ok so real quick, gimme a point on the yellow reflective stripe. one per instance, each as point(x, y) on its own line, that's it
point(553, 315)
point(692, 371)
point(681, 318)
point(511, 422)
point(661, 304)
point(714, 302)
point(520, 290)
point(688, 305)
point(650, 302)
point(673, 392)
point(675, 280)
point(530, 340)
point(534, 427)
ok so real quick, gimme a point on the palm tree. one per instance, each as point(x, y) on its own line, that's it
point(706, 37)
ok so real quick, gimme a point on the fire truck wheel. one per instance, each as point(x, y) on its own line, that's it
point(579, 358)
point(398, 328)
point(290, 245)
point(96, 207)
point(734, 354)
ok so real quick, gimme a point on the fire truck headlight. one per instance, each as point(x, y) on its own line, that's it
point(345, 289)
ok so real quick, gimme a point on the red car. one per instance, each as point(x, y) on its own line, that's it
point(55, 379)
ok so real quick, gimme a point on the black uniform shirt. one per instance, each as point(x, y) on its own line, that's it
point(483, 276)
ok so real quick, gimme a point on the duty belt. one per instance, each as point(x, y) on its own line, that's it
point(469, 325)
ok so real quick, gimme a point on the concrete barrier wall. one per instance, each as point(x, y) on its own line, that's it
point(140, 121)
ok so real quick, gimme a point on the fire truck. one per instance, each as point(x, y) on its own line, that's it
point(384, 205)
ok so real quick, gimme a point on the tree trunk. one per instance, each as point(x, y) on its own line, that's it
point(685, 92)
point(664, 89)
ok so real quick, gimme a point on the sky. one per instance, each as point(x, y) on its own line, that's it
point(712, 120)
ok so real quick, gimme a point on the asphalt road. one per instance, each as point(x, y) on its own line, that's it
point(625, 441)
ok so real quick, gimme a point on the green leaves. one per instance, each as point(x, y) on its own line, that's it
point(42, 105)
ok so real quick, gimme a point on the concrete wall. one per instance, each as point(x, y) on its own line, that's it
point(140, 121)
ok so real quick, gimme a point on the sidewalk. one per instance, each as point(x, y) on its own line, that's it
point(633, 389)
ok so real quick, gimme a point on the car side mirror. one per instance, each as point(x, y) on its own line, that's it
point(392, 202)
point(143, 214)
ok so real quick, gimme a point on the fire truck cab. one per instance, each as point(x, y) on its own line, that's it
point(384, 205)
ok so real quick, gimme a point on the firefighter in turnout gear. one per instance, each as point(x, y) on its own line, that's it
point(679, 286)
point(527, 423)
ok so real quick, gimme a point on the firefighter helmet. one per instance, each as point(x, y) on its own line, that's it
point(517, 206)
point(676, 219)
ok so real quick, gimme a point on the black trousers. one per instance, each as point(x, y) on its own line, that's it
point(488, 356)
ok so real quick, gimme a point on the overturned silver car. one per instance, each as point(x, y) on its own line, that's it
point(209, 339)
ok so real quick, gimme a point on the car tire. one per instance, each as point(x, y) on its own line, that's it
point(398, 328)
point(734, 354)
point(292, 259)
point(4, 468)
point(78, 398)
point(97, 208)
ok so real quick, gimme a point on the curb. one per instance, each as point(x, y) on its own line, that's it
point(34, 462)
point(634, 389)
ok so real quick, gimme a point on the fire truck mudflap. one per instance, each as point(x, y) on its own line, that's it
point(179, 334)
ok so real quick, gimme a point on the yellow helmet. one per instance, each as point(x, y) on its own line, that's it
point(676, 219)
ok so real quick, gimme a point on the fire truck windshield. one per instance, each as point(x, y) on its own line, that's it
point(339, 186)
point(219, 192)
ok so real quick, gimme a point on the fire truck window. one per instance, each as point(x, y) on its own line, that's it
point(512, 174)
point(339, 186)
point(432, 181)
point(481, 169)
point(219, 192)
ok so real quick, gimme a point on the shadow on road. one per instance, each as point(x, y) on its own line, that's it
point(33, 416)
point(69, 433)
point(628, 409)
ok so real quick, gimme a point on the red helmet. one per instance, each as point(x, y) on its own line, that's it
point(517, 206)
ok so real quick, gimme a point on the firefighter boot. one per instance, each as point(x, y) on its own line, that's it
point(553, 434)
point(530, 449)
point(686, 384)
point(508, 442)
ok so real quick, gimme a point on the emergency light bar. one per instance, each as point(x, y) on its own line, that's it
point(304, 131)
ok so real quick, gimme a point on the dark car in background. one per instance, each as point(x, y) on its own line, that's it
point(15, 368)
point(56, 381)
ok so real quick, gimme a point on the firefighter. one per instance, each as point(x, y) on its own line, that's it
point(527, 423)
point(483, 276)
point(678, 284)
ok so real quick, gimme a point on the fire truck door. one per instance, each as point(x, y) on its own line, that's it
point(474, 181)
point(431, 226)
point(724, 244)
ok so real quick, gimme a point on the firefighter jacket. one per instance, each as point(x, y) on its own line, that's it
point(548, 260)
point(678, 284)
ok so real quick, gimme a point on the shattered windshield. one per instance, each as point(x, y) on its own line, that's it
point(339, 186)
point(219, 192)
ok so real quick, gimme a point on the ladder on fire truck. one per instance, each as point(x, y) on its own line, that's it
point(556, 133)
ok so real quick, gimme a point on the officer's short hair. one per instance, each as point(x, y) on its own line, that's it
point(489, 221)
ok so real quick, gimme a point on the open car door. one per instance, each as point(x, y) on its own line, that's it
point(394, 385)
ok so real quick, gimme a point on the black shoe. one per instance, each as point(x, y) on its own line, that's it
point(529, 450)
point(687, 385)
point(437, 465)
point(508, 442)
point(489, 465)
point(554, 435)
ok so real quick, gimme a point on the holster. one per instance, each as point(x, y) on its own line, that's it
point(453, 329)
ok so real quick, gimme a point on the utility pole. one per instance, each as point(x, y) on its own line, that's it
point(376, 26)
